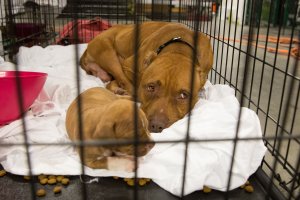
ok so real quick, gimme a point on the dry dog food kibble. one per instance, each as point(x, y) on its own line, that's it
point(65, 181)
point(59, 178)
point(130, 182)
point(51, 181)
point(41, 193)
point(57, 189)
point(249, 188)
point(142, 182)
point(42, 176)
point(44, 181)
point(2, 173)
point(206, 189)
point(51, 177)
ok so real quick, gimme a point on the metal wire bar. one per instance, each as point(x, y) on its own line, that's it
point(273, 71)
point(179, 11)
point(209, 16)
point(80, 124)
point(194, 56)
point(21, 110)
point(213, 45)
point(295, 180)
point(239, 49)
point(135, 97)
point(227, 52)
point(289, 94)
point(292, 127)
point(283, 92)
point(263, 178)
point(122, 142)
point(217, 53)
point(255, 51)
point(223, 35)
point(264, 57)
point(291, 170)
point(245, 79)
point(234, 36)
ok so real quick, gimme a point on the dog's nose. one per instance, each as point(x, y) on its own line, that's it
point(157, 124)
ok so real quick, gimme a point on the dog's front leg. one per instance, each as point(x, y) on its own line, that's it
point(111, 163)
point(96, 163)
point(114, 87)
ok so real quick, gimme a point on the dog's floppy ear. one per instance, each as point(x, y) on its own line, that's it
point(149, 57)
point(204, 57)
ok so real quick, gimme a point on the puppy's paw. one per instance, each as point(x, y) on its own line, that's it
point(120, 164)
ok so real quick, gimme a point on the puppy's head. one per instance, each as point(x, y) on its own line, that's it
point(121, 126)
point(165, 87)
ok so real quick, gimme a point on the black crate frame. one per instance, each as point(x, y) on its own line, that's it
point(191, 14)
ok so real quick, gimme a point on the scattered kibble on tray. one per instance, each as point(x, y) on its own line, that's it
point(65, 181)
point(57, 189)
point(59, 178)
point(41, 193)
point(2, 172)
point(206, 189)
point(42, 176)
point(141, 181)
point(51, 177)
point(44, 181)
point(247, 187)
point(52, 181)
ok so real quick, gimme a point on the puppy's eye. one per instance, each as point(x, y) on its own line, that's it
point(150, 88)
point(183, 95)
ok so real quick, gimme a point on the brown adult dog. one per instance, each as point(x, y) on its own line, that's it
point(106, 116)
point(164, 67)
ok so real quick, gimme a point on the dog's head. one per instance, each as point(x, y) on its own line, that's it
point(165, 87)
point(121, 126)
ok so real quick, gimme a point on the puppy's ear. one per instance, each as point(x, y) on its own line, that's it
point(150, 56)
point(104, 130)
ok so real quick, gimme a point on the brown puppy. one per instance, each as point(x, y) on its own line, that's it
point(104, 116)
point(165, 52)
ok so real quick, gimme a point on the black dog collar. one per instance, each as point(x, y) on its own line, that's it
point(173, 40)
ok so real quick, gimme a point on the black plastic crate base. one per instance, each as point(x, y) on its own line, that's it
point(15, 187)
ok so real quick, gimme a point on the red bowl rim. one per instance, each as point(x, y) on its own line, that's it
point(22, 74)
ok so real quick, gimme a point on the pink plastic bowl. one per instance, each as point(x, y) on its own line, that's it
point(31, 84)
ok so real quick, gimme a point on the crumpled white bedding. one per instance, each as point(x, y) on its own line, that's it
point(215, 116)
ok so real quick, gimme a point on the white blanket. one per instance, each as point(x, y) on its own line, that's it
point(215, 116)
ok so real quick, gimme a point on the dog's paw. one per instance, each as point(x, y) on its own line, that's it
point(120, 164)
point(121, 91)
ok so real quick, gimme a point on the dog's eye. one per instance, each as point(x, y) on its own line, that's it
point(183, 95)
point(150, 88)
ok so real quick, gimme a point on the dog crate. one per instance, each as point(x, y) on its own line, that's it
point(252, 55)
